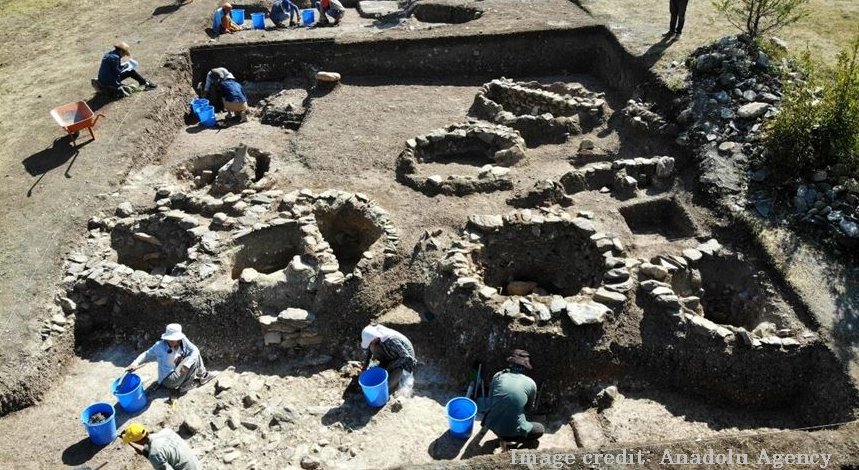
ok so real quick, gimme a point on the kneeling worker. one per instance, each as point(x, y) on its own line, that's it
point(180, 366)
point(164, 449)
point(394, 352)
point(511, 393)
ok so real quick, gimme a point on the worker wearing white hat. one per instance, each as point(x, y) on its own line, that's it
point(180, 366)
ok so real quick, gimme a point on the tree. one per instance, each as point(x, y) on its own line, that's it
point(756, 17)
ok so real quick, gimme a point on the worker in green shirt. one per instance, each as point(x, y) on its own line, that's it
point(511, 393)
point(164, 449)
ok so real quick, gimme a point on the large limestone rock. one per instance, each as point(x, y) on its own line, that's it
point(589, 313)
point(237, 174)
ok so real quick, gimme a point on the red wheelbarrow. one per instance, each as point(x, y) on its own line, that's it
point(75, 116)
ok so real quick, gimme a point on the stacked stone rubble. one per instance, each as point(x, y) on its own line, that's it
point(290, 328)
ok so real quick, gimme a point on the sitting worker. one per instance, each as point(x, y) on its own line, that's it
point(511, 393)
point(222, 21)
point(164, 449)
point(212, 87)
point(332, 8)
point(180, 366)
point(394, 352)
point(281, 10)
point(232, 96)
point(116, 66)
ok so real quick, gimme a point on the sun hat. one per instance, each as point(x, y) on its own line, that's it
point(173, 332)
point(123, 47)
point(133, 433)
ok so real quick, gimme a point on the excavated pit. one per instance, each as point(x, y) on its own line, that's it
point(662, 216)
point(550, 261)
point(267, 250)
point(349, 232)
point(151, 244)
point(222, 174)
point(736, 293)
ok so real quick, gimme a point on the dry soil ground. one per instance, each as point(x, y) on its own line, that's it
point(50, 190)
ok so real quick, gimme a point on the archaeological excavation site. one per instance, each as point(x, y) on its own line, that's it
point(479, 184)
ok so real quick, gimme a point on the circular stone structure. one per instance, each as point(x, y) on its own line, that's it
point(537, 267)
point(541, 113)
point(494, 148)
point(232, 170)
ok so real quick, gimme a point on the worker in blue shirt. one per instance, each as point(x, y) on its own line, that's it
point(113, 71)
point(232, 94)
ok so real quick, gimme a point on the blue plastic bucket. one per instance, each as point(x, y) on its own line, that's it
point(258, 20)
point(199, 103)
point(308, 17)
point(206, 114)
point(103, 433)
point(238, 16)
point(460, 415)
point(374, 383)
point(129, 392)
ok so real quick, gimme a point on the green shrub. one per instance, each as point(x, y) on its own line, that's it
point(840, 109)
point(792, 138)
point(818, 124)
point(757, 17)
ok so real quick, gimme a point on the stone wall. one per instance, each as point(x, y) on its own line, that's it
point(499, 146)
point(541, 113)
point(270, 256)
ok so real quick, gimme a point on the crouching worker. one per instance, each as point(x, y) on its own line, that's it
point(332, 8)
point(212, 87)
point(233, 96)
point(222, 21)
point(511, 393)
point(281, 10)
point(164, 449)
point(116, 66)
point(394, 352)
point(180, 366)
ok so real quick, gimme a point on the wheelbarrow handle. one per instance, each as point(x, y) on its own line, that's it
point(99, 115)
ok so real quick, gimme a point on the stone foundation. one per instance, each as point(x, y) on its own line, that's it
point(495, 148)
point(541, 113)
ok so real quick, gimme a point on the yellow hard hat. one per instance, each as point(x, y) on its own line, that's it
point(133, 433)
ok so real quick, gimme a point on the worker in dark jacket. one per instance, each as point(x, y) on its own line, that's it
point(394, 352)
point(677, 9)
point(511, 393)
point(113, 70)
point(281, 10)
point(235, 101)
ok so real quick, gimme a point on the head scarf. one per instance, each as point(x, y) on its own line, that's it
point(371, 332)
